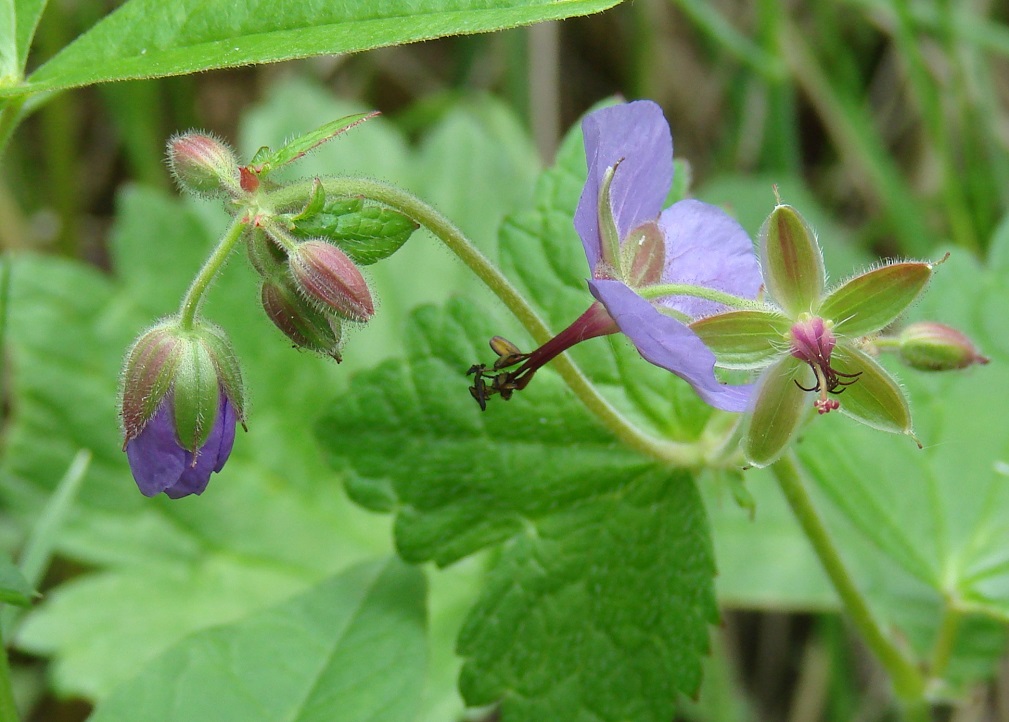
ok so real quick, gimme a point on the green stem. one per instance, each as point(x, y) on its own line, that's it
point(8, 709)
point(945, 640)
point(709, 294)
point(194, 296)
point(675, 453)
point(10, 117)
point(907, 679)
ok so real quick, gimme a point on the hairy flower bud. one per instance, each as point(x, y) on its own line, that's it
point(327, 278)
point(182, 396)
point(203, 165)
point(307, 327)
point(929, 346)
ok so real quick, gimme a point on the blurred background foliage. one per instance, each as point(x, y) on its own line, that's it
point(885, 121)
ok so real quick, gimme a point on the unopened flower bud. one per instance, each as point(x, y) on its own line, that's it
point(328, 279)
point(182, 396)
point(929, 346)
point(203, 165)
point(307, 327)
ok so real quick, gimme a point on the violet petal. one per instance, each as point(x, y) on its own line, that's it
point(705, 246)
point(667, 343)
point(155, 457)
point(211, 456)
point(637, 135)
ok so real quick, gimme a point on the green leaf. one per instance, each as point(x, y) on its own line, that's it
point(149, 38)
point(9, 65)
point(595, 541)
point(27, 14)
point(869, 301)
point(267, 161)
point(744, 339)
point(14, 588)
point(790, 260)
point(366, 233)
point(351, 648)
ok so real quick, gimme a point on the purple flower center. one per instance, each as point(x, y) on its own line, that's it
point(813, 342)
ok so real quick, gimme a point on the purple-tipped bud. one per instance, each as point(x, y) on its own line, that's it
point(929, 346)
point(203, 165)
point(327, 278)
point(306, 326)
point(182, 396)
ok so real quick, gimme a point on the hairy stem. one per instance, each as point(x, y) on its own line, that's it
point(194, 296)
point(907, 680)
point(443, 229)
point(685, 289)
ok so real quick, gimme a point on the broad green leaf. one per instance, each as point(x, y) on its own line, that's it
point(790, 261)
point(151, 38)
point(744, 339)
point(595, 541)
point(27, 14)
point(9, 66)
point(14, 588)
point(366, 233)
point(351, 648)
point(868, 302)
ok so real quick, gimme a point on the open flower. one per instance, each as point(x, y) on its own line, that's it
point(182, 396)
point(810, 340)
point(639, 256)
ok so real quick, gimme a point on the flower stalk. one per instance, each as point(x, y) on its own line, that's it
point(191, 302)
point(907, 679)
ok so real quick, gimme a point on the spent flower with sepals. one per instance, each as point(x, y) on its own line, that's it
point(811, 339)
point(651, 269)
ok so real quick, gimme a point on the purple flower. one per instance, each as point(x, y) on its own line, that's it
point(637, 253)
point(160, 463)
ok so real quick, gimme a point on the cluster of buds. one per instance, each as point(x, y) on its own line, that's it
point(182, 391)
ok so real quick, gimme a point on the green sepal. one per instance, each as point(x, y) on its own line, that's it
point(316, 202)
point(229, 372)
point(266, 160)
point(265, 255)
point(870, 301)
point(874, 399)
point(366, 233)
point(791, 261)
point(197, 394)
point(744, 339)
point(608, 233)
point(643, 255)
point(779, 410)
point(305, 325)
point(147, 376)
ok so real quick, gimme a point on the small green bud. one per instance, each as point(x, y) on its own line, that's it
point(929, 346)
point(203, 165)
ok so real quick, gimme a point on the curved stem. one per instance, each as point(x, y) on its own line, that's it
point(443, 229)
point(8, 709)
point(709, 294)
point(194, 296)
point(907, 679)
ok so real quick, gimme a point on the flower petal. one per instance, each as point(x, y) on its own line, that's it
point(778, 411)
point(637, 135)
point(156, 458)
point(705, 246)
point(667, 343)
point(211, 456)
